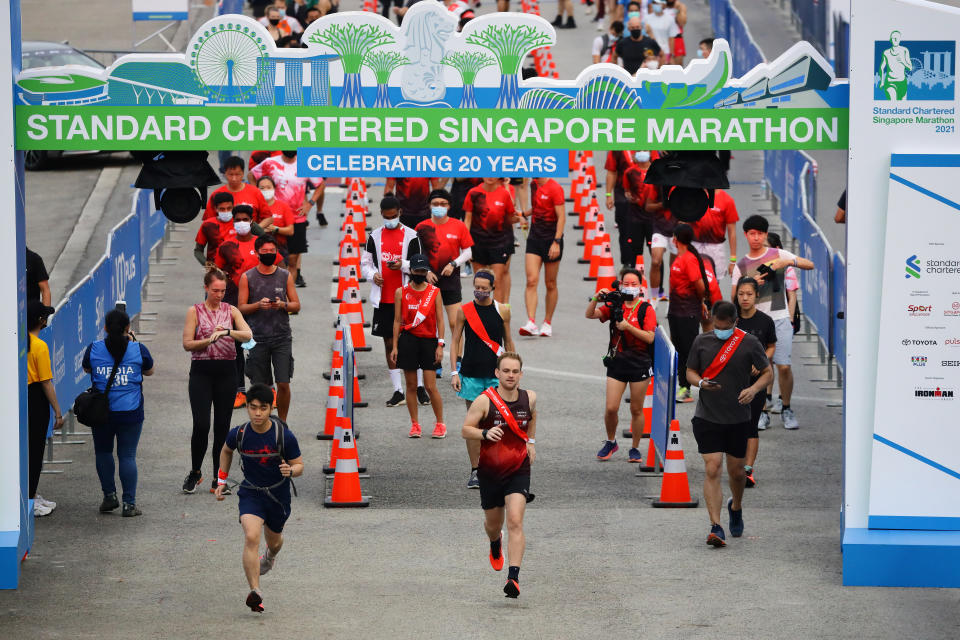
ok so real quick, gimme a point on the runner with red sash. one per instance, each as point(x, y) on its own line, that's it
point(722, 363)
point(482, 326)
point(504, 421)
point(418, 341)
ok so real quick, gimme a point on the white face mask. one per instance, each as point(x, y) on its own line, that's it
point(651, 64)
point(267, 194)
point(225, 216)
point(642, 156)
point(242, 227)
point(392, 223)
point(634, 292)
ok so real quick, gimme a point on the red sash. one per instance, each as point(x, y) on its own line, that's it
point(726, 352)
point(473, 319)
point(505, 412)
point(424, 309)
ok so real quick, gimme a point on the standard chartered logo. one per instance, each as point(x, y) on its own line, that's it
point(913, 267)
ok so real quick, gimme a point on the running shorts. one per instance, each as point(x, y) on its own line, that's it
point(756, 409)
point(450, 288)
point(629, 370)
point(297, 243)
point(269, 360)
point(493, 490)
point(382, 326)
point(541, 247)
point(784, 327)
point(721, 438)
point(256, 503)
point(679, 46)
point(492, 255)
point(471, 388)
point(414, 352)
point(660, 241)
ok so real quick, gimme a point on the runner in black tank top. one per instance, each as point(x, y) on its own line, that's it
point(476, 370)
point(504, 421)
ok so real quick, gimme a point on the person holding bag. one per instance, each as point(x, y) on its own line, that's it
point(117, 365)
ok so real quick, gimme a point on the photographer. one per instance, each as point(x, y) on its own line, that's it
point(629, 358)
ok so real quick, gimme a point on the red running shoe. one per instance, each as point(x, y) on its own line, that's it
point(497, 563)
point(415, 430)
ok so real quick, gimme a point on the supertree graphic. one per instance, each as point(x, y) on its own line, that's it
point(352, 42)
point(509, 44)
point(468, 63)
point(383, 64)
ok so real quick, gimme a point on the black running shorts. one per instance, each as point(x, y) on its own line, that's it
point(297, 243)
point(414, 352)
point(722, 438)
point(382, 326)
point(492, 255)
point(541, 247)
point(493, 490)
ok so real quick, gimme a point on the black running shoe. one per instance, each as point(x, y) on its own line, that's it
point(255, 602)
point(300, 283)
point(321, 219)
point(512, 589)
point(397, 399)
point(570, 23)
point(191, 482)
point(131, 510)
point(422, 396)
point(109, 503)
point(558, 21)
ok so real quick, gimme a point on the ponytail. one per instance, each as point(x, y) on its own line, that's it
point(684, 235)
point(116, 324)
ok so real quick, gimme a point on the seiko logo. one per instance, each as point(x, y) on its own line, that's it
point(950, 363)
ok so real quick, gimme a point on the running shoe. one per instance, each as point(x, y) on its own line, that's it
point(439, 431)
point(226, 489)
point(634, 456)
point(422, 396)
point(439, 372)
point(764, 423)
point(474, 481)
point(512, 589)
point(546, 330)
point(751, 481)
point(663, 297)
point(789, 419)
point(607, 450)
point(50, 504)
point(39, 510)
point(529, 329)
point(255, 601)
point(415, 430)
point(570, 24)
point(497, 563)
point(240, 400)
point(683, 395)
point(300, 283)
point(191, 482)
point(130, 510)
point(321, 219)
point(736, 519)
point(109, 503)
point(396, 399)
point(267, 562)
point(558, 21)
point(716, 538)
point(768, 404)
point(776, 406)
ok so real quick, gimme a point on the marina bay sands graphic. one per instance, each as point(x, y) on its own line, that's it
point(361, 60)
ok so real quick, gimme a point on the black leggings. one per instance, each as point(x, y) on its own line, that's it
point(239, 366)
point(38, 419)
point(211, 382)
point(683, 331)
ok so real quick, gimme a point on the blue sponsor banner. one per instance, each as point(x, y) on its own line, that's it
point(838, 341)
point(431, 163)
point(229, 6)
point(782, 171)
point(124, 260)
point(152, 227)
point(664, 390)
point(816, 283)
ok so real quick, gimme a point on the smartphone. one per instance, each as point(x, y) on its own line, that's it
point(121, 305)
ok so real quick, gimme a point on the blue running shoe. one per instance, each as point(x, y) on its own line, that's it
point(634, 456)
point(607, 450)
point(716, 537)
point(736, 519)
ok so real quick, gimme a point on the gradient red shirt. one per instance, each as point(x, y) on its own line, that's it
point(414, 196)
point(684, 273)
point(442, 243)
point(236, 257)
point(629, 342)
point(490, 214)
point(213, 233)
point(712, 227)
point(248, 195)
point(544, 200)
point(508, 456)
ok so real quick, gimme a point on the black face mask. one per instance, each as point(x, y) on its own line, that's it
point(418, 278)
point(274, 21)
point(636, 33)
point(268, 258)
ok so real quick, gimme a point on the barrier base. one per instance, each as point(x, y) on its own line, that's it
point(582, 261)
point(364, 502)
point(330, 470)
point(363, 348)
point(677, 505)
point(323, 436)
point(648, 469)
point(359, 376)
point(900, 558)
point(361, 405)
point(589, 279)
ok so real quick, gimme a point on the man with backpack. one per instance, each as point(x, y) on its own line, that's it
point(269, 459)
point(604, 46)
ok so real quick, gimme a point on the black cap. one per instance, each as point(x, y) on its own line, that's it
point(419, 261)
point(36, 310)
point(442, 194)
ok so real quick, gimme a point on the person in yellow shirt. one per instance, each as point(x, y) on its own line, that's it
point(41, 396)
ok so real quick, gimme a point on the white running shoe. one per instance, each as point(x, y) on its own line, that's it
point(546, 330)
point(529, 329)
point(49, 504)
point(39, 510)
point(789, 420)
point(764, 423)
point(267, 562)
point(776, 406)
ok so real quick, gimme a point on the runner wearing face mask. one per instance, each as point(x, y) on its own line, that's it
point(633, 51)
point(215, 231)
point(662, 26)
point(636, 230)
point(490, 218)
point(483, 327)
point(629, 359)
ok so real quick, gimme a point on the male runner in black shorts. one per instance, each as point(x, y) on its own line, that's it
point(268, 460)
point(721, 363)
point(504, 419)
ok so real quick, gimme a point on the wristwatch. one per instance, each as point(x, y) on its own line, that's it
point(483, 434)
point(531, 441)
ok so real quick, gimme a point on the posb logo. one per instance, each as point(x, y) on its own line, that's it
point(937, 393)
point(919, 343)
point(917, 310)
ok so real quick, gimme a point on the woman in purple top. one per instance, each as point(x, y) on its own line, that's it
point(209, 334)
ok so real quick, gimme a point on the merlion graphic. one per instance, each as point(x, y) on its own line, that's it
point(893, 69)
point(425, 34)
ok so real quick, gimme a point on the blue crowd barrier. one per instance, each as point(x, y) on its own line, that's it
point(816, 284)
point(229, 6)
point(812, 16)
point(664, 391)
point(838, 309)
point(119, 275)
point(783, 172)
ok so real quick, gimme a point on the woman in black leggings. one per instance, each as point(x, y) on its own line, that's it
point(210, 332)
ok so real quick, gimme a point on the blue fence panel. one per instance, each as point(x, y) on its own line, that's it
point(229, 6)
point(125, 264)
point(839, 333)
point(664, 390)
point(152, 226)
point(813, 21)
point(816, 283)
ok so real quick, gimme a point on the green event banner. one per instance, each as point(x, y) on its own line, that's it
point(203, 128)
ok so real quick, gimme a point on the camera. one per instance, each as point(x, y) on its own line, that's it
point(769, 275)
point(614, 299)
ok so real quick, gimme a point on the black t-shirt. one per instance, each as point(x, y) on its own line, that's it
point(723, 406)
point(634, 52)
point(36, 273)
point(761, 327)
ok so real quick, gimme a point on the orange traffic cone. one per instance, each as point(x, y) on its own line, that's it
point(590, 219)
point(353, 310)
point(675, 487)
point(643, 274)
point(607, 272)
point(593, 230)
point(596, 254)
point(342, 423)
point(647, 413)
point(346, 478)
point(335, 398)
point(652, 465)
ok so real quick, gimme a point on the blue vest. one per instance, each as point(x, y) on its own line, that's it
point(126, 392)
